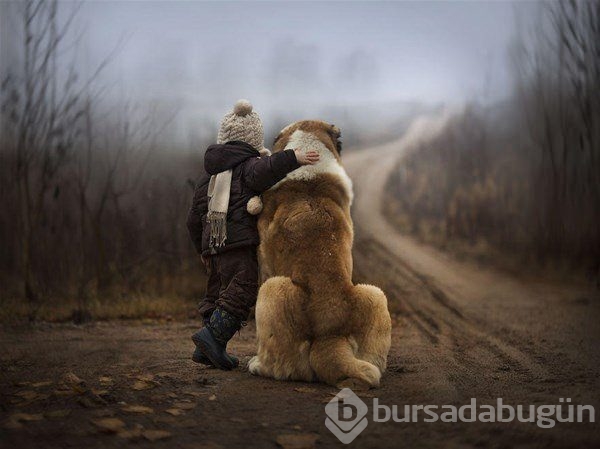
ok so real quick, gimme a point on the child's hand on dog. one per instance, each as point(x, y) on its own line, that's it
point(309, 158)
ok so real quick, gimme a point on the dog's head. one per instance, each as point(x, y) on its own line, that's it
point(329, 135)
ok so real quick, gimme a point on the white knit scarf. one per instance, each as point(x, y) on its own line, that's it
point(219, 189)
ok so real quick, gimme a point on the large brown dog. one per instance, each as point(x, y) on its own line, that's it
point(312, 323)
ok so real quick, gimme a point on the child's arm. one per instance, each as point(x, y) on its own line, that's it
point(194, 220)
point(261, 174)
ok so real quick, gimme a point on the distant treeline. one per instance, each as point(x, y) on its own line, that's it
point(524, 176)
point(94, 203)
point(91, 206)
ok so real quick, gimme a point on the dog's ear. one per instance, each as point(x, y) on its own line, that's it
point(277, 141)
point(336, 136)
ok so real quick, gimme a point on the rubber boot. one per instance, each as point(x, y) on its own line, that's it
point(199, 357)
point(212, 339)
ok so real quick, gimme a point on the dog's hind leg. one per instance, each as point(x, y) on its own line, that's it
point(333, 360)
point(358, 359)
point(281, 329)
point(372, 326)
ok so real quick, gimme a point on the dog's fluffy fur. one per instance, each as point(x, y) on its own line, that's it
point(312, 322)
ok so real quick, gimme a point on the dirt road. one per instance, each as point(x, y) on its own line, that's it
point(460, 332)
point(464, 331)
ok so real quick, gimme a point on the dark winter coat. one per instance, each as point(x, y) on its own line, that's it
point(251, 176)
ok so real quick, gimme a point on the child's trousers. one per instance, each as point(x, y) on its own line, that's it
point(232, 282)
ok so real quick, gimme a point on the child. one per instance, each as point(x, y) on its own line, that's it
point(225, 233)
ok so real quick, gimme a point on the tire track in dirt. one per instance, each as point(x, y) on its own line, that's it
point(471, 319)
point(442, 323)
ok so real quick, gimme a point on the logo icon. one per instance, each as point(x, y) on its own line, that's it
point(346, 416)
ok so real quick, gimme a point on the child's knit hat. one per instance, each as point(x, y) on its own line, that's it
point(242, 124)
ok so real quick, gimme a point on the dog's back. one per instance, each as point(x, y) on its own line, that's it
point(311, 320)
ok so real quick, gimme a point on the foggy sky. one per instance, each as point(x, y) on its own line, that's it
point(199, 57)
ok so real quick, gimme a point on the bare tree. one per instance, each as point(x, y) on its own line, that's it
point(45, 113)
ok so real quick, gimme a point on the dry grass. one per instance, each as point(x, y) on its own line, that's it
point(522, 264)
point(477, 191)
point(174, 296)
point(13, 310)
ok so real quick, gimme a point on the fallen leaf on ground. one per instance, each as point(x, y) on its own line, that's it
point(364, 394)
point(74, 382)
point(63, 392)
point(22, 417)
point(130, 434)
point(339, 394)
point(187, 423)
point(154, 435)
point(79, 389)
point(212, 397)
point(44, 383)
point(28, 395)
point(162, 419)
point(57, 414)
point(71, 378)
point(305, 390)
point(12, 425)
point(172, 395)
point(174, 411)
point(142, 385)
point(105, 380)
point(137, 409)
point(109, 425)
point(135, 433)
point(90, 400)
point(204, 445)
point(205, 381)
point(297, 440)
point(25, 402)
point(103, 412)
point(195, 394)
point(100, 392)
point(184, 405)
point(146, 377)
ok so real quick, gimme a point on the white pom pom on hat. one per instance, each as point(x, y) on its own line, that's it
point(254, 205)
point(242, 108)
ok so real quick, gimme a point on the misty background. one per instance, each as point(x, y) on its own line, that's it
point(362, 64)
point(107, 107)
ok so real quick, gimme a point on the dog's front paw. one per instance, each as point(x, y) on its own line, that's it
point(354, 384)
point(254, 365)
